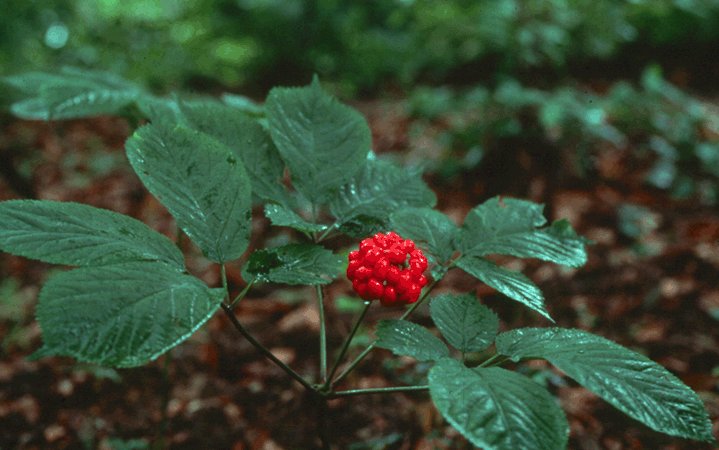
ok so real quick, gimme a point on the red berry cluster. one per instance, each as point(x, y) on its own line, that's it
point(387, 268)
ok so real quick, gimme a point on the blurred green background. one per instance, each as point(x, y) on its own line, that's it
point(474, 77)
point(361, 46)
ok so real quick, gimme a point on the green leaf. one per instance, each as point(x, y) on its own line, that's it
point(380, 188)
point(283, 217)
point(71, 93)
point(466, 324)
point(80, 235)
point(510, 227)
point(122, 315)
point(409, 339)
point(293, 264)
point(201, 182)
point(512, 284)
point(359, 227)
point(323, 142)
point(631, 382)
point(247, 139)
point(29, 82)
point(160, 110)
point(428, 228)
point(497, 409)
point(244, 104)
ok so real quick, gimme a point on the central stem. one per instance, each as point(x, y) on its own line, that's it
point(323, 335)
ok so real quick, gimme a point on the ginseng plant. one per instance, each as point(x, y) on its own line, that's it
point(305, 159)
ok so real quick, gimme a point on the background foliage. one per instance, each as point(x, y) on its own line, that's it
point(563, 74)
point(359, 45)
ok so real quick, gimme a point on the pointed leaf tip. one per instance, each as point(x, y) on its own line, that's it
point(512, 284)
point(201, 182)
point(323, 142)
point(76, 234)
point(409, 339)
point(512, 227)
point(121, 315)
point(629, 381)
point(464, 322)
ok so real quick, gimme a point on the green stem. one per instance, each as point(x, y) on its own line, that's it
point(493, 360)
point(268, 354)
point(354, 363)
point(315, 215)
point(422, 298)
point(323, 335)
point(223, 276)
point(243, 331)
point(372, 345)
point(383, 390)
point(327, 232)
point(242, 294)
point(347, 342)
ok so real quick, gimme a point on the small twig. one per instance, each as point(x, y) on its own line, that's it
point(268, 354)
point(493, 360)
point(329, 229)
point(383, 390)
point(347, 342)
point(242, 294)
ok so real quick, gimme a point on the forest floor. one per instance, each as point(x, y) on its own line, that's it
point(650, 284)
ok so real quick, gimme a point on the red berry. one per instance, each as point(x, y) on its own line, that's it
point(404, 298)
point(375, 288)
point(417, 255)
point(393, 274)
point(359, 287)
point(415, 268)
point(352, 268)
point(405, 281)
point(381, 268)
point(413, 292)
point(422, 281)
point(389, 297)
point(392, 237)
point(387, 268)
point(408, 245)
point(372, 255)
point(396, 255)
point(362, 273)
point(365, 245)
point(380, 240)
